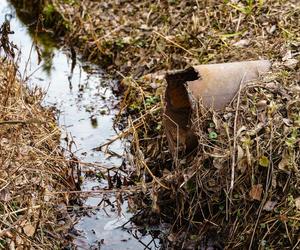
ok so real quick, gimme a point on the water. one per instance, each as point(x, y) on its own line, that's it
point(86, 107)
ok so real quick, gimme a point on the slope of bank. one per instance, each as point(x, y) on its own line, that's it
point(34, 174)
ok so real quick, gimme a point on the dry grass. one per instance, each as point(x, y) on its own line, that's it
point(257, 139)
point(140, 37)
point(32, 167)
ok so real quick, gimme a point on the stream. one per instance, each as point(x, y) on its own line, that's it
point(86, 106)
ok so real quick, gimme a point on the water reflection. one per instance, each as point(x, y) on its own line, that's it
point(44, 41)
point(81, 93)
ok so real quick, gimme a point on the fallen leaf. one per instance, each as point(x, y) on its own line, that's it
point(287, 122)
point(270, 205)
point(240, 153)
point(29, 230)
point(283, 218)
point(284, 163)
point(291, 63)
point(295, 89)
point(242, 165)
point(4, 141)
point(19, 241)
point(6, 233)
point(171, 237)
point(242, 43)
point(241, 129)
point(288, 55)
point(271, 29)
point(256, 192)
point(5, 195)
point(47, 196)
point(261, 105)
point(297, 203)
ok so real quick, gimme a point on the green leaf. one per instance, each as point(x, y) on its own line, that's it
point(263, 225)
point(264, 161)
point(194, 237)
point(213, 135)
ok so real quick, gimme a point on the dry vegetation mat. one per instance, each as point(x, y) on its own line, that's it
point(139, 37)
point(244, 180)
point(33, 170)
point(241, 188)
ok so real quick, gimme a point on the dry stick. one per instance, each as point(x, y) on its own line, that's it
point(234, 139)
point(128, 130)
point(89, 164)
point(176, 44)
point(154, 177)
point(102, 191)
point(14, 122)
point(19, 210)
point(294, 248)
point(57, 130)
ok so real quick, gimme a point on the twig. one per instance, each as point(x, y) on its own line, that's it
point(154, 177)
point(295, 247)
point(14, 122)
point(176, 44)
point(136, 123)
point(234, 137)
point(102, 191)
point(19, 211)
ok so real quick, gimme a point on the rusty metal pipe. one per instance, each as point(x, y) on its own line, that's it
point(213, 84)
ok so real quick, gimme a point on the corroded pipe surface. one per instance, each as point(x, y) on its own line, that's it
point(218, 83)
point(215, 85)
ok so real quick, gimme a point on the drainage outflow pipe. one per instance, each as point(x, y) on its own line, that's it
point(215, 85)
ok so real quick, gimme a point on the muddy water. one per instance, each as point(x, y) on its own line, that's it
point(86, 107)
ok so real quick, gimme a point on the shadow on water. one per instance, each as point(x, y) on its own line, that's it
point(44, 40)
point(82, 94)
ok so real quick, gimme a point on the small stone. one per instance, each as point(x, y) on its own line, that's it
point(271, 29)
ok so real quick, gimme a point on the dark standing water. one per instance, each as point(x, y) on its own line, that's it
point(86, 105)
